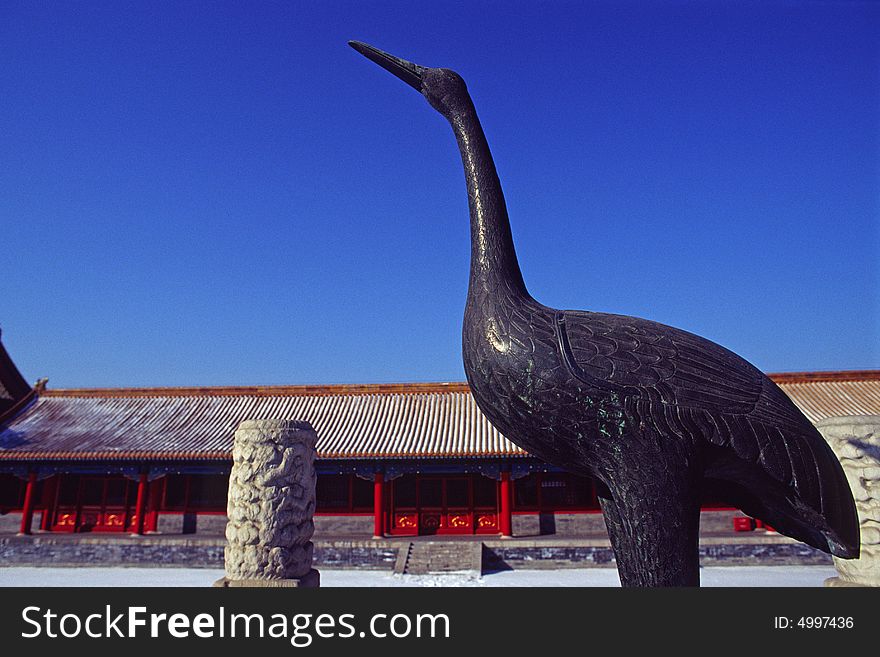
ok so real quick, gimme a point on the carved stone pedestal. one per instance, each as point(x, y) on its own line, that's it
point(856, 441)
point(311, 580)
point(271, 506)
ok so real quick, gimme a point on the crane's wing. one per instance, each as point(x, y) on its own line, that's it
point(660, 363)
point(683, 384)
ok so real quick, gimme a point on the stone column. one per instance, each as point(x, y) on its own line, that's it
point(271, 506)
point(856, 441)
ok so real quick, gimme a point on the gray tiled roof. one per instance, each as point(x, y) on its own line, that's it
point(368, 421)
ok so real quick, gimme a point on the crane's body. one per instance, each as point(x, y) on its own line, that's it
point(653, 413)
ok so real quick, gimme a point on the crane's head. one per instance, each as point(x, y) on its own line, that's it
point(443, 88)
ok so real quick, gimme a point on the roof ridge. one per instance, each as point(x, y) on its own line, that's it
point(265, 391)
point(310, 390)
point(832, 375)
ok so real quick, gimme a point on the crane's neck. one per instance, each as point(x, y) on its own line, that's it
point(494, 266)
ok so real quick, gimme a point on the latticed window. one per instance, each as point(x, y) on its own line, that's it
point(551, 491)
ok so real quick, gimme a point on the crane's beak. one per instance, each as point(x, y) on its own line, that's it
point(406, 71)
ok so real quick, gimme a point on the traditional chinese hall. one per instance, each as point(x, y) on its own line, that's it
point(393, 459)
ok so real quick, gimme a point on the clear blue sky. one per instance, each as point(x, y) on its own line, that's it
point(197, 193)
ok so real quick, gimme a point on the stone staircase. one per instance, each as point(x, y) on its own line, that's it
point(429, 557)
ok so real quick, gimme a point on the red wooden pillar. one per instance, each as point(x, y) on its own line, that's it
point(378, 505)
point(504, 521)
point(141, 504)
point(27, 512)
point(157, 487)
point(50, 492)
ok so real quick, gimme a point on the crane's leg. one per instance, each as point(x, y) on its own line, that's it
point(653, 523)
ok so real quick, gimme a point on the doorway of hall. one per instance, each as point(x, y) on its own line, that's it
point(426, 505)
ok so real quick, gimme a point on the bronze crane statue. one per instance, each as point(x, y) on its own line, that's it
point(653, 413)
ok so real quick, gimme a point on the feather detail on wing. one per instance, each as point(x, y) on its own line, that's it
point(652, 361)
point(682, 384)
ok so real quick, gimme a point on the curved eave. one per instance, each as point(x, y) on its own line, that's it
point(10, 413)
point(15, 392)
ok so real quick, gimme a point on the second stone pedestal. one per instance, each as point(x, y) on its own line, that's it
point(856, 442)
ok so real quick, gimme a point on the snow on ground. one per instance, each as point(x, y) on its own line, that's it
point(772, 576)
